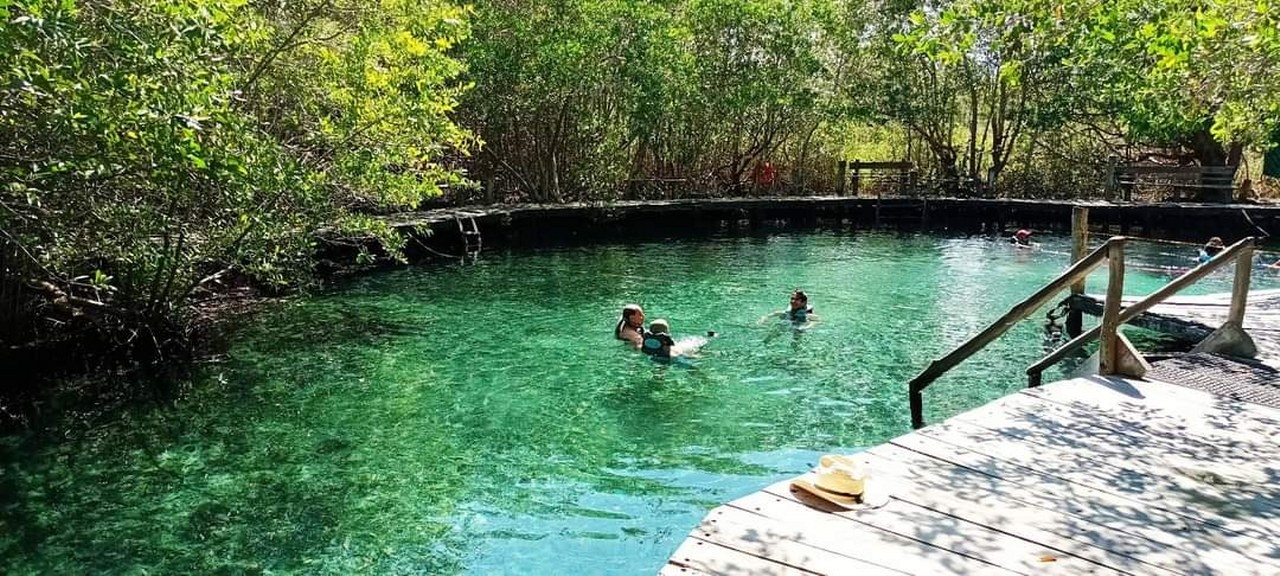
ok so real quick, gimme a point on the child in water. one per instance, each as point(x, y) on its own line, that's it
point(1021, 238)
point(659, 344)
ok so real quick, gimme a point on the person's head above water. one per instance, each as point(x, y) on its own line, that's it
point(1022, 234)
point(632, 317)
point(799, 300)
point(659, 326)
point(1215, 242)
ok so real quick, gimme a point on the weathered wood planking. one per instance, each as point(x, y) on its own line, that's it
point(1092, 475)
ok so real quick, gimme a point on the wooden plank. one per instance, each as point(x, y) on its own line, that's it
point(890, 165)
point(980, 499)
point(710, 558)
point(1135, 478)
point(808, 545)
point(1187, 170)
point(1249, 449)
point(1212, 545)
point(675, 570)
point(1242, 427)
point(864, 542)
point(958, 536)
point(1186, 473)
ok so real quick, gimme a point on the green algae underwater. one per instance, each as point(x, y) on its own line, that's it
point(481, 419)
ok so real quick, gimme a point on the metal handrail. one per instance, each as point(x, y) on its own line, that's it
point(1241, 251)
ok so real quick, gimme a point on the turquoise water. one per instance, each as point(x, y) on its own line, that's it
point(481, 420)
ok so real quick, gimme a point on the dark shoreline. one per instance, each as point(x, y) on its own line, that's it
point(40, 381)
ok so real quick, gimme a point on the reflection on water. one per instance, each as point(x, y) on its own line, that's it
point(482, 420)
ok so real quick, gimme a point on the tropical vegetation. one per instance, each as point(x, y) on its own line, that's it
point(155, 153)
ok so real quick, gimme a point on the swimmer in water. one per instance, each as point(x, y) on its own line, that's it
point(631, 326)
point(657, 342)
point(1210, 249)
point(798, 310)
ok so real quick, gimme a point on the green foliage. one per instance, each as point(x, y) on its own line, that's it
point(150, 148)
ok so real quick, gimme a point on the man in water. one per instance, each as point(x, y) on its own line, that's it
point(798, 311)
point(1021, 237)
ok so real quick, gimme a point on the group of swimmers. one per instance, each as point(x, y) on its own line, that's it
point(656, 340)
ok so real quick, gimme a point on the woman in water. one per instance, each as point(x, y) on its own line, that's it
point(631, 326)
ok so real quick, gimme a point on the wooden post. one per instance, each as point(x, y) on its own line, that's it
point(917, 409)
point(1079, 247)
point(1240, 288)
point(842, 168)
point(877, 206)
point(1112, 181)
point(857, 178)
point(1108, 355)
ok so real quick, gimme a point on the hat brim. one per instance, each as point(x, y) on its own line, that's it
point(874, 494)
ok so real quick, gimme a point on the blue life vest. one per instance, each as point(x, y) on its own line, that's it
point(657, 344)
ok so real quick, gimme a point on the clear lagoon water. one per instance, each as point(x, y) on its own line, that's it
point(482, 420)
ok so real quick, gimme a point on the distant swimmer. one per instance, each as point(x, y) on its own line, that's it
point(1210, 249)
point(1021, 238)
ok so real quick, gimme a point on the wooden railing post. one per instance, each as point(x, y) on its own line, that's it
point(1079, 247)
point(856, 167)
point(841, 173)
point(1133, 310)
point(1108, 355)
point(1240, 288)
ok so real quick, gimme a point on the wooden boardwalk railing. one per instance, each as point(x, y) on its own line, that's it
point(1116, 356)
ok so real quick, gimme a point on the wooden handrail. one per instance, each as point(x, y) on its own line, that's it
point(937, 368)
point(1243, 248)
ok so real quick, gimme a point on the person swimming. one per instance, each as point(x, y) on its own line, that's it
point(1210, 249)
point(798, 310)
point(631, 326)
point(1021, 238)
point(657, 340)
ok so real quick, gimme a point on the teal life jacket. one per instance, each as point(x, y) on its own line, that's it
point(657, 344)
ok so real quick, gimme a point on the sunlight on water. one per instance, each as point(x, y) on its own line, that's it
point(482, 420)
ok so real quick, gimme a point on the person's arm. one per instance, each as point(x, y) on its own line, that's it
point(771, 316)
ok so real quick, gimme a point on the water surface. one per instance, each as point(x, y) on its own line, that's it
point(480, 419)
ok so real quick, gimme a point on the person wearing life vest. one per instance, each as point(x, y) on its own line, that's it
point(631, 326)
point(798, 310)
point(657, 341)
point(1210, 249)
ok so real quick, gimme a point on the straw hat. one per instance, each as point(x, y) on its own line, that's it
point(846, 482)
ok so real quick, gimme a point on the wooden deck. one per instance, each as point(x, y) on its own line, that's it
point(1086, 476)
point(1196, 316)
